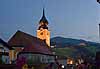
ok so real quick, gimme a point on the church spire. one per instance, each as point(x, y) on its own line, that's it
point(43, 12)
point(43, 19)
point(43, 33)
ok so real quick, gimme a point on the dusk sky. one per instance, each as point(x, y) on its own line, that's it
point(67, 18)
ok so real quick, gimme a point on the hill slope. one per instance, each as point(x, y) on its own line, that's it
point(74, 47)
point(63, 42)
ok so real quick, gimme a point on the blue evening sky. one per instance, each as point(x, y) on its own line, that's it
point(68, 18)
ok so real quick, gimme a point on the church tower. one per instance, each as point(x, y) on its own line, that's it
point(43, 32)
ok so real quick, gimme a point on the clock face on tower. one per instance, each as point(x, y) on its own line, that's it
point(41, 33)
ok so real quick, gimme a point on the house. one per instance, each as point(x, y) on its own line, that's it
point(5, 51)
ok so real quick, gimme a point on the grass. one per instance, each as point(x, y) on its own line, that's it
point(63, 51)
point(92, 49)
point(68, 51)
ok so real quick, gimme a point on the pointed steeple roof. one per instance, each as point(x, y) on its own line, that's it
point(43, 19)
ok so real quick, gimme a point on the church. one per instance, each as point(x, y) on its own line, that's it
point(36, 50)
point(23, 48)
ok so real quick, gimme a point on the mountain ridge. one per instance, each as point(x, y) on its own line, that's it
point(74, 47)
point(70, 41)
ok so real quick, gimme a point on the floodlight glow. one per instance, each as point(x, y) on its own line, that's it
point(62, 66)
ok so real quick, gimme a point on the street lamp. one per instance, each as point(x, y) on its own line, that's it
point(63, 66)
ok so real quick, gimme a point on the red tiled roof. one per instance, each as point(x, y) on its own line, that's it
point(30, 43)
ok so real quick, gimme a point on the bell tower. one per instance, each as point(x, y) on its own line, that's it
point(42, 31)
